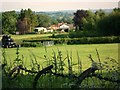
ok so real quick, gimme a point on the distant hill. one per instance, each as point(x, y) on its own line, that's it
point(69, 12)
point(65, 14)
point(105, 10)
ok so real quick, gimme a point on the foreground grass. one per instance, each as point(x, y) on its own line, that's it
point(25, 80)
point(27, 54)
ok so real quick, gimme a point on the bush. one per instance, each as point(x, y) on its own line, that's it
point(31, 44)
point(59, 36)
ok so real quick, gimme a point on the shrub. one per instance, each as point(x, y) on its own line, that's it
point(31, 44)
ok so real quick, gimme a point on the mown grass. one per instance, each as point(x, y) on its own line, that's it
point(27, 54)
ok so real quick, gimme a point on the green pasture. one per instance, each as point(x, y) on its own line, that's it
point(26, 36)
point(39, 53)
point(20, 37)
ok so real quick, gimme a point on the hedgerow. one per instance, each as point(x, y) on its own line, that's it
point(84, 40)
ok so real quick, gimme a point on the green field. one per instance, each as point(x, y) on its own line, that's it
point(26, 54)
point(16, 37)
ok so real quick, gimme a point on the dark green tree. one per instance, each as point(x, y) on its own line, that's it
point(100, 13)
point(109, 25)
point(78, 16)
point(9, 20)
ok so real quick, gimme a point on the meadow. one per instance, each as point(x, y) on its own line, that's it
point(66, 60)
point(41, 54)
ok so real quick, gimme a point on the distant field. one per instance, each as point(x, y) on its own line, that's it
point(16, 37)
point(105, 50)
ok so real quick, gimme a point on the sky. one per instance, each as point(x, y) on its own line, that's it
point(56, 5)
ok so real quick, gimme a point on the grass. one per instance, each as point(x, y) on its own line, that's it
point(16, 37)
point(105, 50)
point(50, 81)
point(19, 37)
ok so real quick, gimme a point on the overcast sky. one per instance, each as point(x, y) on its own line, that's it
point(55, 5)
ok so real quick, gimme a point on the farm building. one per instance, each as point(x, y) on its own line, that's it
point(64, 27)
point(39, 29)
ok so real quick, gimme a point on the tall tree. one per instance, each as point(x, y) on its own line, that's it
point(29, 19)
point(100, 13)
point(9, 20)
point(109, 25)
point(78, 16)
point(89, 21)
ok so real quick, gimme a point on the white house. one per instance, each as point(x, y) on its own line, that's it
point(50, 30)
point(64, 26)
point(39, 29)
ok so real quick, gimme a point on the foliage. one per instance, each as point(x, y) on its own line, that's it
point(25, 78)
point(110, 25)
point(9, 20)
point(27, 21)
point(84, 33)
point(78, 16)
point(31, 44)
point(89, 21)
point(97, 24)
point(43, 20)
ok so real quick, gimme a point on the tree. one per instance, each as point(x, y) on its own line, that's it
point(9, 20)
point(21, 25)
point(54, 21)
point(43, 20)
point(29, 19)
point(110, 25)
point(67, 19)
point(116, 11)
point(89, 21)
point(78, 16)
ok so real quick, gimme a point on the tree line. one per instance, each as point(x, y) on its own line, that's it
point(100, 22)
point(24, 21)
point(85, 21)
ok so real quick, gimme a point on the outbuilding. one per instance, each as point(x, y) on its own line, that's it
point(64, 27)
point(40, 29)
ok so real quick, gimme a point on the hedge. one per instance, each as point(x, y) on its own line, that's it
point(31, 44)
point(83, 40)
